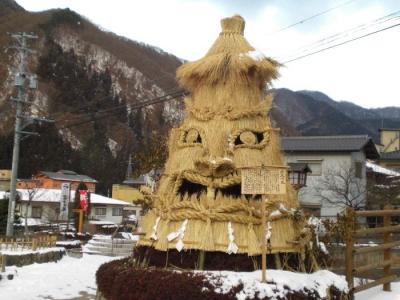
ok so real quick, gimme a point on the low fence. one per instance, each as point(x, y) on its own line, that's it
point(27, 243)
point(385, 248)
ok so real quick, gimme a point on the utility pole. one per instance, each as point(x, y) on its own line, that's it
point(21, 120)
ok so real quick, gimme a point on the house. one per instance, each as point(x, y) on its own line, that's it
point(327, 156)
point(390, 148)
point(53, 180)
point(44, 206)
point(130, 192)
point(5, 177)
point(389, 139)
point(390, 160)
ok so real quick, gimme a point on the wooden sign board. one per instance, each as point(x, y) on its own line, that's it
point(264, 180)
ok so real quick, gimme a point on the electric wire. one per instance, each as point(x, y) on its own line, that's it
point(134, 107)
point(342, 43)
point(346, 33)
point(311, 17)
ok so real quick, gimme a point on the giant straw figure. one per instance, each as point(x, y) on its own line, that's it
point(198, 204)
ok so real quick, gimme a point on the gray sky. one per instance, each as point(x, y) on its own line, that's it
point(366, 72)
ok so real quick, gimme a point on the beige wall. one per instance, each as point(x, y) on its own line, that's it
point(390, 139)
point(125, 193)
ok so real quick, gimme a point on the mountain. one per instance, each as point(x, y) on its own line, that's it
point(81, 70)
point(367, 121)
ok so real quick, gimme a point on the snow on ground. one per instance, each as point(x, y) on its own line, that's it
point(277, 280)
point(67, 279)
point(377, 293)
point(21, 251)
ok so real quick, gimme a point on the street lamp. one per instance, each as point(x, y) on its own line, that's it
point(298, 174)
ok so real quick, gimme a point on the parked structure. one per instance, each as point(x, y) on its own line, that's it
point(325, 155)
point(53, 180)
point(5, 177)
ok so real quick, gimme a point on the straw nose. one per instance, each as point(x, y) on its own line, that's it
point(215, 168)
point(233, 24)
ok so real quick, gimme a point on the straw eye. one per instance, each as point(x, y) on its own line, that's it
point(192, 136)
point(249, 138)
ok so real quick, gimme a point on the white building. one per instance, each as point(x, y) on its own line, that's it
point(327, 155)
point(44, 206)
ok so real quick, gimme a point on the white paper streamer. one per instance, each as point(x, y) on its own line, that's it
point(269, 233)
point(232, 247)
point(154, 232)
point(179, 233)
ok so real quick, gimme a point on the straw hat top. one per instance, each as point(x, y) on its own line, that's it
point(233, 24)
point(230, 60)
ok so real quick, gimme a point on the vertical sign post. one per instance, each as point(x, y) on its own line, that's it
point(264, 181)
point(64, 200)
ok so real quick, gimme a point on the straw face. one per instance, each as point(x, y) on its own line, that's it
point(199, 202)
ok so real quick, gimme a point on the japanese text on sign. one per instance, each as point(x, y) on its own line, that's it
point(270, 181)
point(64, 200)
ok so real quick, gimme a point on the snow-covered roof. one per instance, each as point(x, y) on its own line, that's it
point(53, 195)
point(379, 169)
point(32, 222)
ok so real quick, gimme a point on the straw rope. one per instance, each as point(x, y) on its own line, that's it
point(193, 210)
point(227, 112)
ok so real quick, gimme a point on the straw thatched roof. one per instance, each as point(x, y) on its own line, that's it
point(230, 59)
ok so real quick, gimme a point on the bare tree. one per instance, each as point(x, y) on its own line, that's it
point(34, 190)
point(340, 186)
point(383, 191)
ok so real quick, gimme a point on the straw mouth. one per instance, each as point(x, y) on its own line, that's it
point(196, 186)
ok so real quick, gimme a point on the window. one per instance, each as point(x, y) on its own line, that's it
point(117, 211)
point(100, 211)
point(358, 169)
point(36, 212)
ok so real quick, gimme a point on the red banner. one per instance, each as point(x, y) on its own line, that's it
point(83, 197)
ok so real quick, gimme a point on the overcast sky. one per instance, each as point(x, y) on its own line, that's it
point(366, 71)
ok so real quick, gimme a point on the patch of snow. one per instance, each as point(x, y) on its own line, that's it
point(224, 281)
point(68, 137)
point(378, 169)
point(113, 146)
point(68, 278)
point(376, 293)
point(130, 236)
point(68, 243)
point(255, 54)
point(21, 251)
point(53, 195)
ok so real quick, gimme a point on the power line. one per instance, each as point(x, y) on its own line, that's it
point(141, 105)
point(347, 33)
point(312, 17)
point(89, 114)
point(345, 42)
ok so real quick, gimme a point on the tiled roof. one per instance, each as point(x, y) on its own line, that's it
point(395, 155)
point(334, 143)
point(141, 180)
point(68, 176)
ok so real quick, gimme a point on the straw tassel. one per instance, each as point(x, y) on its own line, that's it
point(162, 243)
point(207, 241)
point(253, 242)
